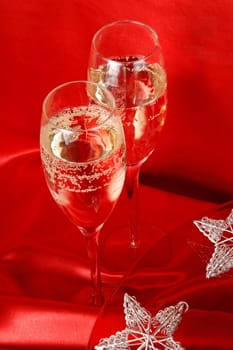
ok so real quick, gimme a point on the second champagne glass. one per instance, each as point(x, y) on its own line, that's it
point(83, 156)
point(127, 59)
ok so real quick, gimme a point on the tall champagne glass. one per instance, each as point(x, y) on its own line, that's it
point(83, 157)
point(127, 59)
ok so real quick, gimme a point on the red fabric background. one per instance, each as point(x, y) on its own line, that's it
point(46, 42)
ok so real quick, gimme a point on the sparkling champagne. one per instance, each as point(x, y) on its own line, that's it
point(83, 164)
point(140, 93)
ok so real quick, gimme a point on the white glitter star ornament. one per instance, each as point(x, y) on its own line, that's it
point(219, 232)
point(144, 331)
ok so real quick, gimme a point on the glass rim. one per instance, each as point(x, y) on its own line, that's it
point(138, 23)
point(106, 107)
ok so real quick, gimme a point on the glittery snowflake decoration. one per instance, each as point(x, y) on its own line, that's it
point(144, 331)
point(219, 232)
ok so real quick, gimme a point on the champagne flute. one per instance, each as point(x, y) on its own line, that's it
point(83, 157)
point(126, 58)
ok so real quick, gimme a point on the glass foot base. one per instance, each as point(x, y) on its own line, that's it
point(132, 271)
point(117, 256)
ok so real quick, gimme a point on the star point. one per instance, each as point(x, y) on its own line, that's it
point(220, 233)
point(144, 331)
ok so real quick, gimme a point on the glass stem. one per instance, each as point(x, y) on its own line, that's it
point(132, 184)
point(92, 242)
